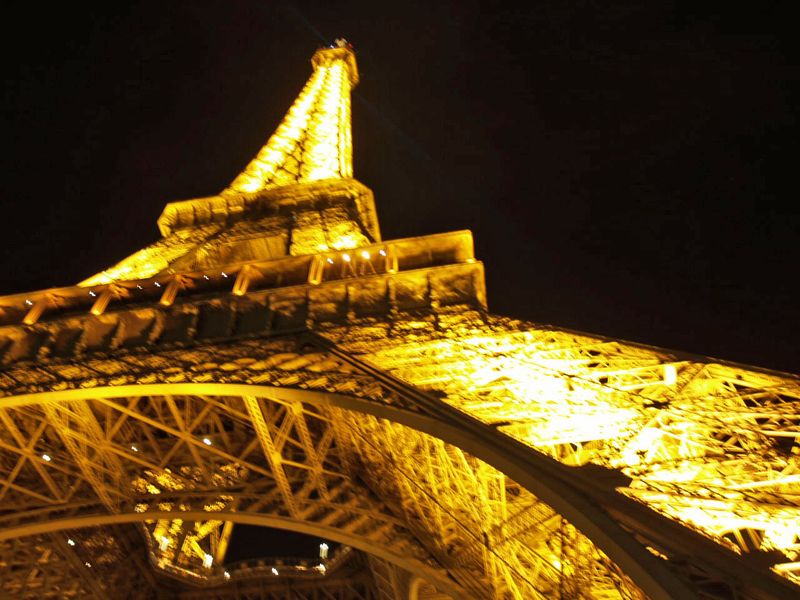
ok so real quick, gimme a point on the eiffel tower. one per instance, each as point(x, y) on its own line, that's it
point(271, 361)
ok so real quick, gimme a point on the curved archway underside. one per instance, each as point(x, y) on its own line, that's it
point(489, 457)
point(121, 569)
point(321, 471)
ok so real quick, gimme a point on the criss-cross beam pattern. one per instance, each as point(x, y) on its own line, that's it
point(181, 458)
point(96, 563)
point(314, 141)
point(712, 445)
point(224, 476)
point(272, 362)
point(192, 457)
point(263, 431)
point(58, 567)
point(494, 536)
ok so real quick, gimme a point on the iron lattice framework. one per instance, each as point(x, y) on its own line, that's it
point(271, 361)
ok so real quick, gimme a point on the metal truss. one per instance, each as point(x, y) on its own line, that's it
point(313, 141)
point(359, 588)
point(96, 563)
point(709, 444)
point(197, 456)
point(61, 571)
point(280, 439)
point(272, 362)
point(347, 577)
point(275, 461)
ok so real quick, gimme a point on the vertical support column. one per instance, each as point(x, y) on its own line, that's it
point(36, 311)
point(100, 305)
point(222, 543)
point(391, 259)
point(316, 269)
point(171, 291)
point(270, 452)
point(242, 281)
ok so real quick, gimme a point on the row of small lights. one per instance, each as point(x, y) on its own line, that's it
point(71, 542)
point(323, 554)
point(139, 286)
point(47, 458)
point(208, 560)
point(345, 257)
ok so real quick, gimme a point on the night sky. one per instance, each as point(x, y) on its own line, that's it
point(627, 168)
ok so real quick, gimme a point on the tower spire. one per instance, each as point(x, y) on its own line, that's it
point(314, 139)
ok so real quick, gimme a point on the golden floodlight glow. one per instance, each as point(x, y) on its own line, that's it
point(314, 141)
point(579, 405)
point(288, 366)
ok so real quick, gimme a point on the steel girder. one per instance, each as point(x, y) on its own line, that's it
point(304, 363)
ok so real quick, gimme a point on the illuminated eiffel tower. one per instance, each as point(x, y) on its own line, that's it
point(272, 361)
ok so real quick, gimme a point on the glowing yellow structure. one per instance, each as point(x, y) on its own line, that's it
point(314, 140)
point(271, 361)
point(307, 162)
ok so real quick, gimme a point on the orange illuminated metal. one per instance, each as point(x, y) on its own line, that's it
point(272, 361)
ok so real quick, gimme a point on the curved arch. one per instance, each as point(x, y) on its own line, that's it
point(542, 476)
point(531, 470)
point(414, 566)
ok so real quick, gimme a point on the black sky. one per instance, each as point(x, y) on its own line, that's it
point(627, 168)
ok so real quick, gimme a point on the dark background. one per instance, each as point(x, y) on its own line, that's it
point(627, 168)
